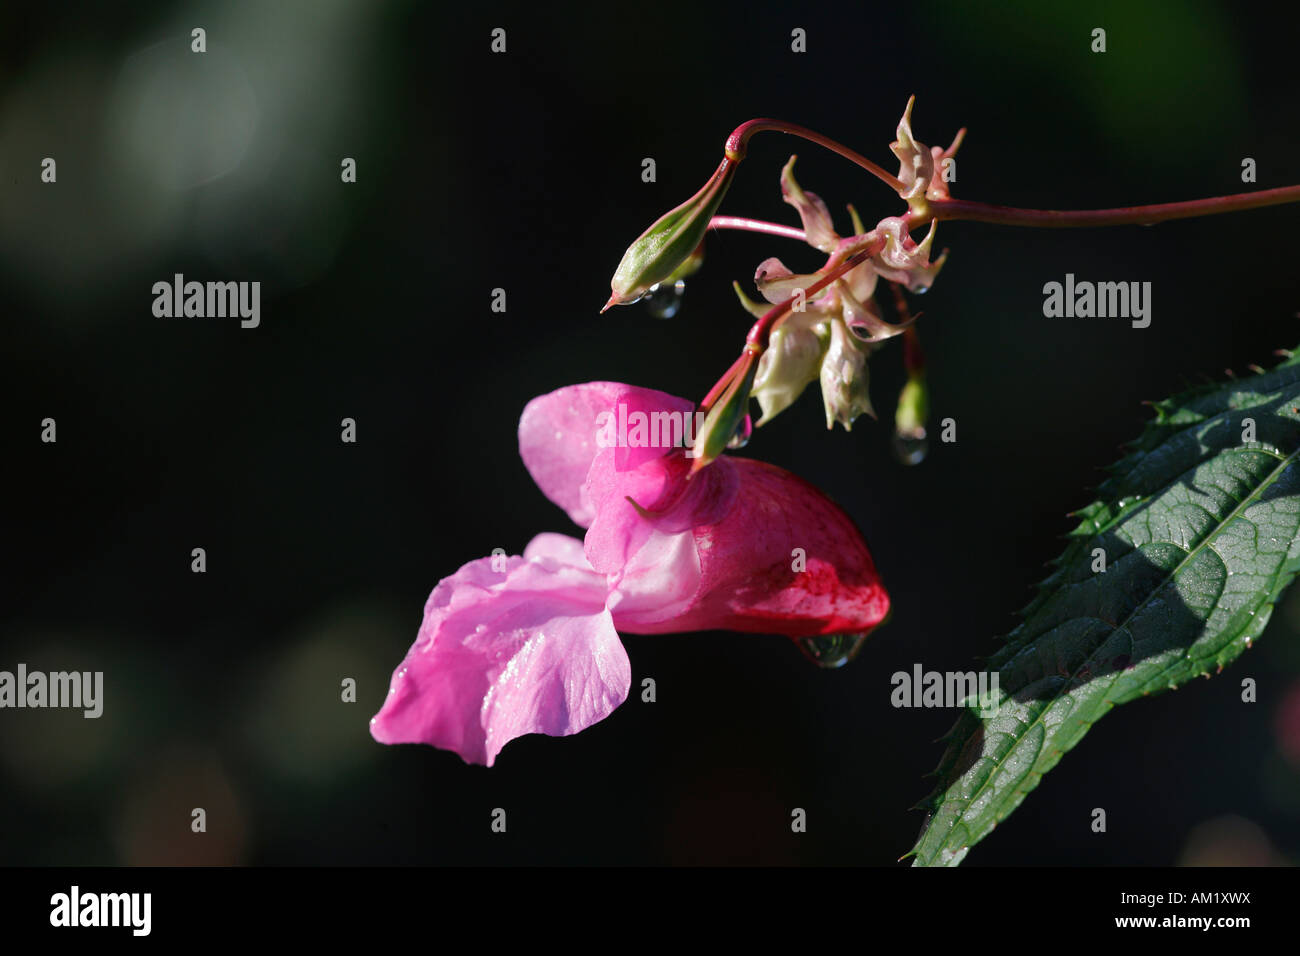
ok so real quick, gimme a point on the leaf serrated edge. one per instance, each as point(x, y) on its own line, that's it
point(1167, 421)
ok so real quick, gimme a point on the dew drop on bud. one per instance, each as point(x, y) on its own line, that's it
point(663, 302)
point(743, 433)
point(921, 290)
point(910, 449)
point(831, 650)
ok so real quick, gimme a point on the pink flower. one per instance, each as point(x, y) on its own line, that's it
point(529, 644)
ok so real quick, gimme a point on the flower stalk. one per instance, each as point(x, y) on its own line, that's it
point(959, 209)
point(830, 339)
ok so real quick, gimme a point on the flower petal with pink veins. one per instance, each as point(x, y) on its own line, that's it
point(502, 653)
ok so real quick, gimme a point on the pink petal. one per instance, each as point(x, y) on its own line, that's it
point(903, 259)
point(559, 548)
point(652, 564)
point(561, 432)
point(814, 215)
point(502, 653)
point(862, 281)
point(915, 161)
point(747, 579)
point(776, 283)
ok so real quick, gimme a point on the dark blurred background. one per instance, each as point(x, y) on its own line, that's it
point(523, 171)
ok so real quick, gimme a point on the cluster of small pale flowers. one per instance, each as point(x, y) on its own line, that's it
point(830, 337)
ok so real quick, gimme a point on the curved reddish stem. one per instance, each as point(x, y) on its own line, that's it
point(738, 143)
point(718, 386)
point(913, 357)
point(954, 209)
point(757, 225)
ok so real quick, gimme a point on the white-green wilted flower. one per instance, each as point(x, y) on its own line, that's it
point(793, 357)
point(915, 163)
point(844, 378)
point(791, 362)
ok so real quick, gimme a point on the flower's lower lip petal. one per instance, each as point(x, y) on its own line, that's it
point(784, 559)
point(501, 654)
point(660, 582)
point(788, 560)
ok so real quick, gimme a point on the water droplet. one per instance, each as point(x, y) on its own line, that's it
point(831, 650)
point(663, 302)
point(921, 290)
point(911, 449)
point(743, 433)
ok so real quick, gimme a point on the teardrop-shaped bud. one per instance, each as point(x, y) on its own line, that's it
point(661, 251)
point(913, 408)
point(727, 414)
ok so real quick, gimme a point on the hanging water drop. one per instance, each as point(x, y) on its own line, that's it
point(910, 448)
point(831, 650)
point(665, 301)
point(743, 433)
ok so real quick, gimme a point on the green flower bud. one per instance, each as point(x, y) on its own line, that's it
point(724, 418)
point(913, 408)
point(669, 245)
point(690, 265)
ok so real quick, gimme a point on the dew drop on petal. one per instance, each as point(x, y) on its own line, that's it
point(831, 650)
point(663, 302)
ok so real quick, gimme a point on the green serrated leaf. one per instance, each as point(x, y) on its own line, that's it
point(1200, 533)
